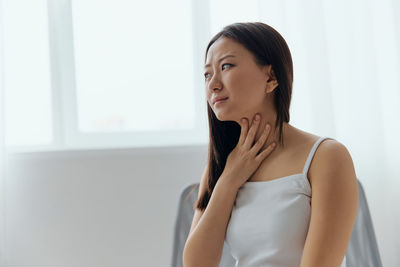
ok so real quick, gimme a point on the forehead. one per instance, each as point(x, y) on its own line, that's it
point(224, 46)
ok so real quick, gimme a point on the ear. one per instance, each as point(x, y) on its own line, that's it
point(269, 72)
point(272, 82)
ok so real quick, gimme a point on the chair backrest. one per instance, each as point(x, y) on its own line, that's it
point(361, 251)
point(363, 248)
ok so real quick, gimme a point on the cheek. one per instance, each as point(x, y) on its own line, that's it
point(249, 79)
point(247, 88)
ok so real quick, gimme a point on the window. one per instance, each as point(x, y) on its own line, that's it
point(122, 74)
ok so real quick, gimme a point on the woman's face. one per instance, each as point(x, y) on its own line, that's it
point(231, 71)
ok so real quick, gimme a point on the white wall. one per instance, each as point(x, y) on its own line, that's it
point(116, 207)
point(96, 208)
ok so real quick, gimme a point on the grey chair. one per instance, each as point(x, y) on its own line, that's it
point(361, 251)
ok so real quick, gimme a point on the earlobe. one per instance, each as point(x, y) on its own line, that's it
point(271, 86)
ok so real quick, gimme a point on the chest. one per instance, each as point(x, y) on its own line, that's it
point(287, 162)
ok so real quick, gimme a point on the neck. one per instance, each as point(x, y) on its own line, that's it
point(273, 135)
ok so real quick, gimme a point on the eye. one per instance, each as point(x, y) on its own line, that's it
point(205, 74)
point(226, 64)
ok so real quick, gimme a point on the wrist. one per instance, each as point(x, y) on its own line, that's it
point(226, 181)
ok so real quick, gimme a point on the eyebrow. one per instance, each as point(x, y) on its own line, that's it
point(219, 60)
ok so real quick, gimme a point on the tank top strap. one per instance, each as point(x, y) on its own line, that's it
point(312, 152)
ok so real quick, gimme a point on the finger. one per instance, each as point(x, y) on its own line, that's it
point(248, 143)
point(261, 141)
point(243, 131)
point(260, 157)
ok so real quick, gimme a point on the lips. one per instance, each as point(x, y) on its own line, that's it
point(219, 99)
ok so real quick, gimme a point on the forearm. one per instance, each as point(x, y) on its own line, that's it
point(205, 244)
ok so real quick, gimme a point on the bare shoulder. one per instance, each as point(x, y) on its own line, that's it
point(331, 157)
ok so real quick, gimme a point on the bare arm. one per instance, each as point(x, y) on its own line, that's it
point(334, 206)
point(205, 243)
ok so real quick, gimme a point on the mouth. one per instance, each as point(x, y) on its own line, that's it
point(220, 101)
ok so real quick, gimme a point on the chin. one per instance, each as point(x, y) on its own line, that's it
point(221, 117)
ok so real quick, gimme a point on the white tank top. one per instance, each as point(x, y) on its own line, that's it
point(270, 220)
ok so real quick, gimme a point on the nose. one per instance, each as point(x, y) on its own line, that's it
point(214, 83)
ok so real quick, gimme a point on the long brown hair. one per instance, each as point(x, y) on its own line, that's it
point(268, 48)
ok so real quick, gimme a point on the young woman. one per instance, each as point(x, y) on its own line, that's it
point(292, 204)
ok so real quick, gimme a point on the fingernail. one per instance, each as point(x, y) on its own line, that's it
point(257, 117)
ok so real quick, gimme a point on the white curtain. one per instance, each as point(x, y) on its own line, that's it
point(2, 160)
point(347, 85)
